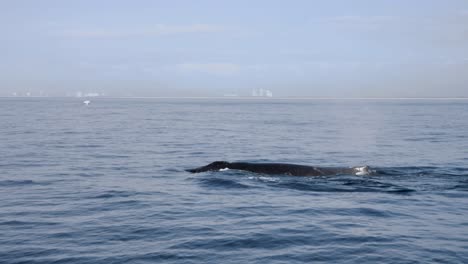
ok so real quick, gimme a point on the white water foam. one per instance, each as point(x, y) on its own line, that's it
point(364, 170)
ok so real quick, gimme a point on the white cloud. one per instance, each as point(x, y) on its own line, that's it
point(210, 68)
point(156, 30)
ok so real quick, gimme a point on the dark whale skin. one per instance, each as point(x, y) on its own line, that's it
point(274, 168)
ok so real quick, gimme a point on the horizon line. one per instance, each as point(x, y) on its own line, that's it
point(245, 97)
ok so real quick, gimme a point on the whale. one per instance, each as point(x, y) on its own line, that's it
point(282, 169)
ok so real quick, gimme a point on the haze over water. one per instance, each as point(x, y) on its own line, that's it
point(300, 48)
point(105, 183)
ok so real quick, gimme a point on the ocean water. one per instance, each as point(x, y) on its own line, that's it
point(106, 183)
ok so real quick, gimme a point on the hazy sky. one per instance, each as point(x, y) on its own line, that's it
point(209, 48)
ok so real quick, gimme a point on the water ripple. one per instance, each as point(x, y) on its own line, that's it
point(221, 183)
point(11, 183)
point(106, 183)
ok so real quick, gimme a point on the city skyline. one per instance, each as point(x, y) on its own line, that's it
point(331, 49)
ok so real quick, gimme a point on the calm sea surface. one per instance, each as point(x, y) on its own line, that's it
point(105, 183)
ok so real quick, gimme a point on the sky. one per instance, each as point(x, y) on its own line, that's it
point(349, 49)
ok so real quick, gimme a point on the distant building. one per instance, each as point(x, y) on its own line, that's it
point(261, 93)
point(90, 94)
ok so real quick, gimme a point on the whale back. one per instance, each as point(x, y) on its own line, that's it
point(282, 168)
point(214, 166)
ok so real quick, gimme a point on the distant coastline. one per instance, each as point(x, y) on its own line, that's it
point(249, 97)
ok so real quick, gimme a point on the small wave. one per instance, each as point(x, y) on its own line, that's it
point(374, 184)
point(109, 156)
point(157, 257)
point(222, 183)
point(346, 185)
point(111, 205)
point(364, 211)
point(87, 174)
point(266, 241)
point(422, 171)
point(461, 186)
point(114, 194)
point(8, 183)
point(25, 223)
point(22, 164)
point(89, 146)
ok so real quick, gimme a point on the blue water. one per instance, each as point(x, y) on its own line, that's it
point(105, 183)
